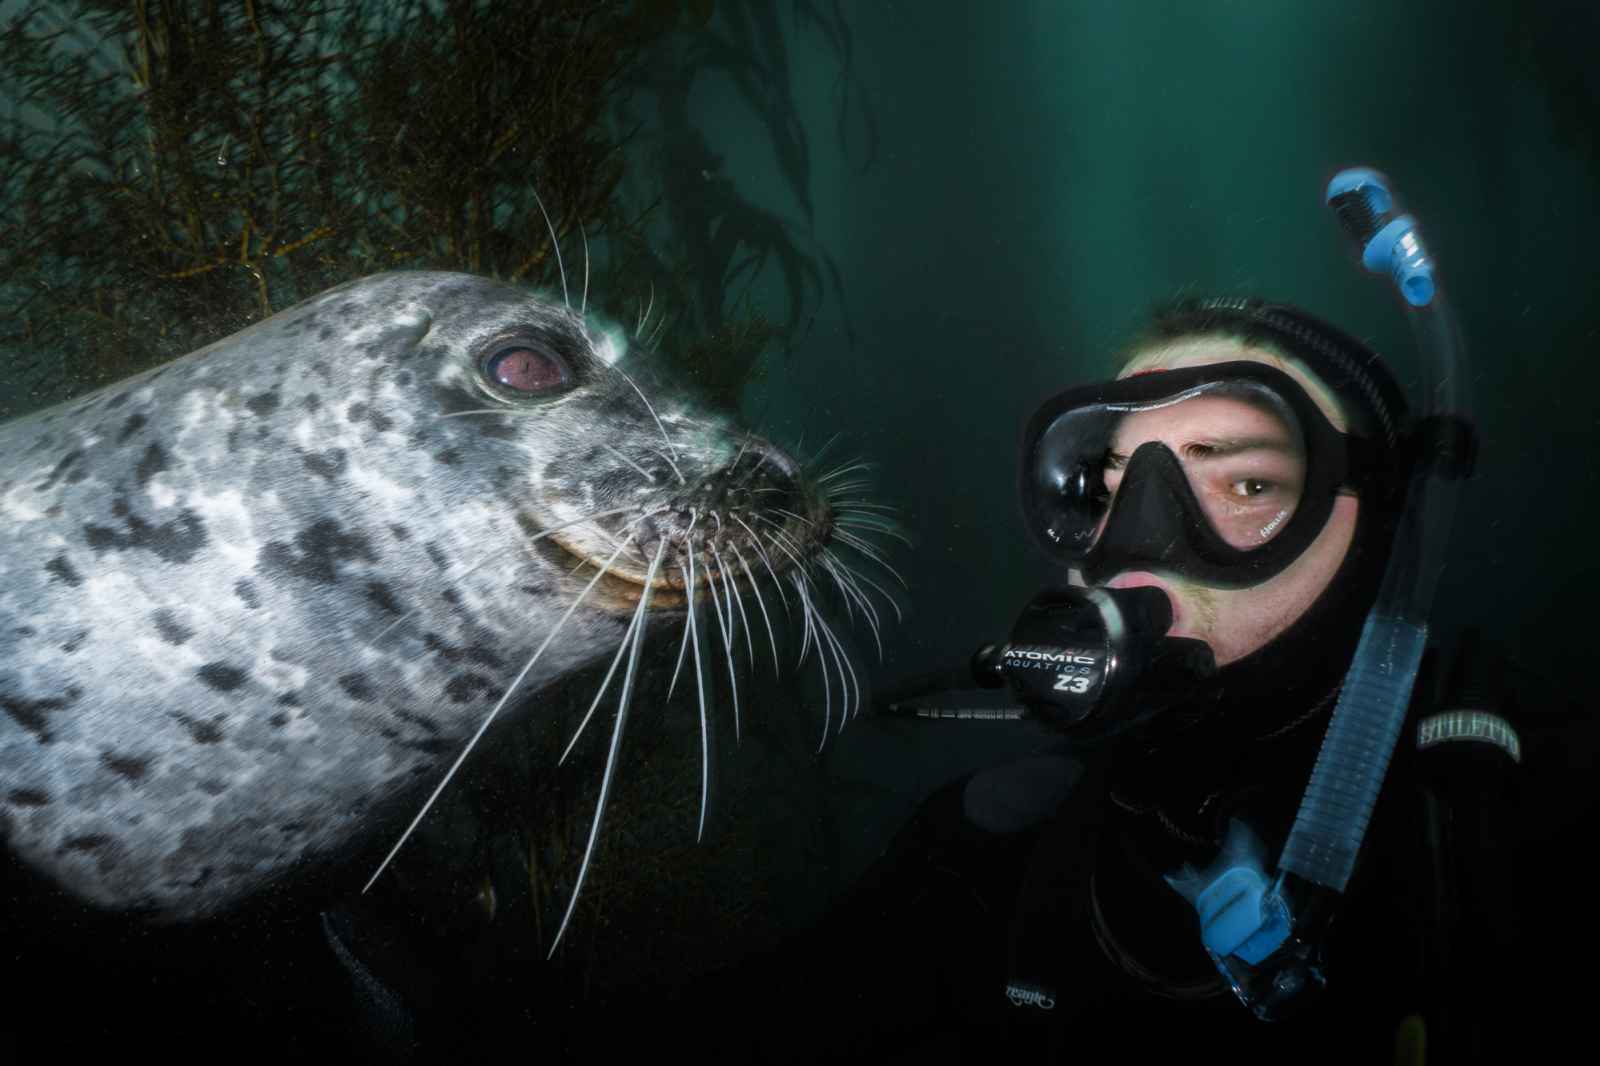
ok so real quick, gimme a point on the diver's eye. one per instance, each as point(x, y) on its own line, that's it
point(1251, 486)
point(529, 370)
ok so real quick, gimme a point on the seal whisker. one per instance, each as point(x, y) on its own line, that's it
point(705, 728)
point(639, 328)
point(870, 552)
point(849, 592)
point(636, 632)
point(841, 657)
point(824, 479)
point(490, 717)
point(868, 504)
point(748, 437)
point(755, 588)
point(827, 641)
point(479, 411)
point(857, 575)
point(805, 632)
point(648, 406)
point(731, 591)
point(642, 471)
point(672, 464)
point(566, 297)
point(798, 518)
point(605, 683)
point(777, 542)
point(857, 522)
point(761, 551)
point(822, 661)
point(727, 645)
point(655, 334)
point(683, 647)
point(584, 309)
point(689, 600)
point(842, 572)
point(824, 449)
point(536, 537)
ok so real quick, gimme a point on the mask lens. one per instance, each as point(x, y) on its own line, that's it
point(1241, 450)
point(1069, 492)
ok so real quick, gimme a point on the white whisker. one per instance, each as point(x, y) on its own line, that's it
point(642, 471)
point(824, 479)
point(536, 537)
point(824, 449)
point(566, 298)
point(585, 308)
point(870, 552)
point(857, 575)
point(638, 329)
point(748, 437)
point(727, 645)
point(755, 540)
point(648, 406)
point(857, 522)
point(840, 657)
point(845, 505)
point(732, 592)
point(472, 743)
point(756, 588)
point(688, 595)
point(637, 633)
point(849, 592)
point(683, 646)
point(672, 464)
point(822, 660)
point(705, 728)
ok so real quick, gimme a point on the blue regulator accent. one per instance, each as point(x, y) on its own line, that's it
point(1240, 914)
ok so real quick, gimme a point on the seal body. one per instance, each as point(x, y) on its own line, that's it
point(253, 601)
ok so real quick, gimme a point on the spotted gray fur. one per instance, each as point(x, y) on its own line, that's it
point(253, 601)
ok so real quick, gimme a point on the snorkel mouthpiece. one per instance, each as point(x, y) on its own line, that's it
point(1078, 656)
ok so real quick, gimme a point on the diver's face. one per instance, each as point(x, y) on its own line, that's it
point(1246, 469)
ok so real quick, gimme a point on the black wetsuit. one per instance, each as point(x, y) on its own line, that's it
point(1426, 960)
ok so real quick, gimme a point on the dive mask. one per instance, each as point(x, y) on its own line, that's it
point(1223, 474)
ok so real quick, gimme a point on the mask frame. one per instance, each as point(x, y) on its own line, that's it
point(1155, 521)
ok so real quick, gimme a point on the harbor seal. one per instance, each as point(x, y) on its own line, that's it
point(255, 602)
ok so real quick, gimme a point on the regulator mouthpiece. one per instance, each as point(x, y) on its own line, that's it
point(1095, 662)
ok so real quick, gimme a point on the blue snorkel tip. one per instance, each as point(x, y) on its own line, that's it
point(1366, 182)
point(1390, 244)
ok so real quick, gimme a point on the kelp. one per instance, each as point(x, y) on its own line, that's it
point(172, 170)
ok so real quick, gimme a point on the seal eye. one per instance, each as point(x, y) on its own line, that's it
point(528, 370)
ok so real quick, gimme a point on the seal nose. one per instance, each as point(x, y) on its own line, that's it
point(760, 477)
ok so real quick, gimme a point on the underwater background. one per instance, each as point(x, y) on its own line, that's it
point(907, 222)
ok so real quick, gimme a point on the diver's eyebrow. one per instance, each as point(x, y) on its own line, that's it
point(1217, 448)
point(1224, 447)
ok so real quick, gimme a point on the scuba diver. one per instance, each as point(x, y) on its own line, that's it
point(1274, 821)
